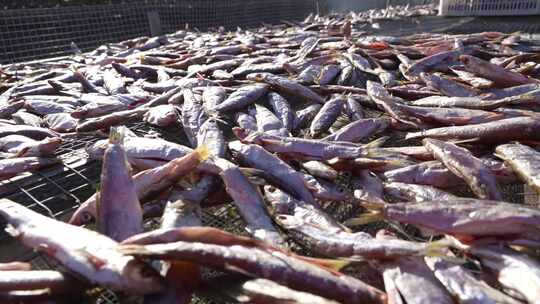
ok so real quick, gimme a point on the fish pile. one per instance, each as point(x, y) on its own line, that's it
point(283, 121)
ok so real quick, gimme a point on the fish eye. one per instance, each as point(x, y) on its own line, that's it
point(87, 217)
point(272, 189)
point(341, 189)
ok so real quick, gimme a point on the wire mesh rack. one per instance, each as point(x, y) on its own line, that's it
point(31, 34)
point(57, 191)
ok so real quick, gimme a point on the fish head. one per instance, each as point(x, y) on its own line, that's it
point(259, 77)
point(289, 221)
point(240, 133)
point(49, 145)
point(143, 279)
point(82, 218)
point(97, 149)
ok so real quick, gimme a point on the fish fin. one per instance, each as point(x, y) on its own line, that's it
point(252, 172)
point(413, 135)
point(333, 264)
point(257, 180)
point(116, 135)
point(20, 153)
point(377, 142)
point(364, 219)
point(203, 153)
point(465, 141)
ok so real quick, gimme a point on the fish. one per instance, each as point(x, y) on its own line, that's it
point(212, 97)
point(8, 109)
point(500, 131)
point(249, 202)
point(13, 166)
point(182, 278)
point(282, 109)
point(474, 103)
point(465, 218)
point(161, 116)
point(414, 281)
point(147, 182)
point(60, 122)
point(499, 75)
point(286, 177)
point(192, 115)
point(246, 121)
point(305, 115)
point(286, 86)
point(282, 206)
point(89, 254)
point(515, 271)
point(463, 164)
point(359, 129)
point(113, 84)
point(258, 290)
point(110, 120)
point(402, 192)
point(29, 119)
point(353, 109)
point(320, 169)
point(37, 133)
point(446, 86)
point(210, 136)
point(523, 160)
point(23, 146)
point(266, 121)
point(463, 285)
point(302, 148)
point(367, 187)
point(326, 116)
point(241, 98)
point(119, 213)
point(275, 266)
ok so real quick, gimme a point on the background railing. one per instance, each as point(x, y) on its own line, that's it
point(362, 5)
point(30, 34)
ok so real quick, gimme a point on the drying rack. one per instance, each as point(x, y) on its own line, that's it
point(58, 190)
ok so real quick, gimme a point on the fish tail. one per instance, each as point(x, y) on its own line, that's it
point(116, 135)
point(438, 248)
point(364, 219)
point(203, 153)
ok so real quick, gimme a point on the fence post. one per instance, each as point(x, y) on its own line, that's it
point(155, 23)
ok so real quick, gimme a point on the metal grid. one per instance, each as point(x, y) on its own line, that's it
point(489, 7)
point(46, 33)
point(58, 190)
point(30, 34)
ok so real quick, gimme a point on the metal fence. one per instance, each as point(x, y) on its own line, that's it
point(362, 5)
point(31, 34)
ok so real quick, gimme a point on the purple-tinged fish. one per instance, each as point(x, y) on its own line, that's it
point(119, 212)
point(91, 255)
point(463, 164)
